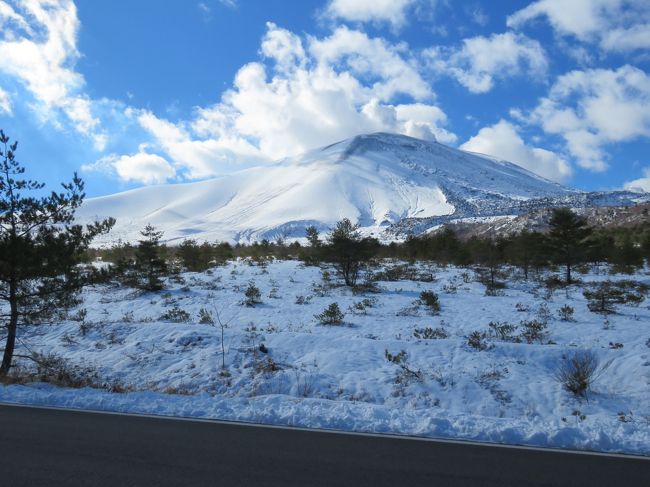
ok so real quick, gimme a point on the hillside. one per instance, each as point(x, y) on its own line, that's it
point(390, 184)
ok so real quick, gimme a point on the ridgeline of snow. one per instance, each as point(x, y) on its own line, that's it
point(377, 180)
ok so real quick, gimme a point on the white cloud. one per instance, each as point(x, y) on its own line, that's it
point(318, 91)
point(374, 57)
point(641, 184)
point(635, 37)
point(388, 11)
point(480, 60)
point(198, 158)
point(5, 102)
point(502, 140)
point(142, 167)
point(593, 108)
point(617, 25)
point(38, 48)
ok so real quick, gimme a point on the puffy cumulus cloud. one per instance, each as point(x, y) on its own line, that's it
point(593, 108)
point(312, 92)
point(616, 25)
point(196, 158)
point(392, 12)
point(303, 93)
point(141, 167)
point(373, 58)
point(640, 185)
point(38, 48)
point(480, 60)
point(5, 102)
point(502, 140)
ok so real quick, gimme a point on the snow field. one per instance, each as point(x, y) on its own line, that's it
point(338, 377)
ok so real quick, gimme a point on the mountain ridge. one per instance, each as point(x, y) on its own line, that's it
point(392, 185)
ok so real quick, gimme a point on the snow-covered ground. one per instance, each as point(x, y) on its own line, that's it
point(316, 375)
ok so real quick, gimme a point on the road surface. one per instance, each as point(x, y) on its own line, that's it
point(49, 447)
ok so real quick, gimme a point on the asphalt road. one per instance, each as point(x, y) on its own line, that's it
point(46, 447)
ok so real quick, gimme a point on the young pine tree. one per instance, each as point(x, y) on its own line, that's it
point(567, 238)
point(150, 266)
point(40, 248)
point(348, 250)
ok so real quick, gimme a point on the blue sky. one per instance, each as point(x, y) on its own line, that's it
point(141, 92)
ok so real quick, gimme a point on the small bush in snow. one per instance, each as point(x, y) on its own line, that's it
point(430, 300)
point(361, 307)
point(503, 331)
point(205, 317)
point(332, 315)
point(521, 307)
point(406, 372)
point(578, 372)
point(477, 340)
point(176, 315)
point(566, 313)
point(533, 330)
point(430, 333)
point(544, 313)
point(604, 297)
point(252, 295)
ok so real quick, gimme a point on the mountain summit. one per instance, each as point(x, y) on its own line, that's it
point(390, 184)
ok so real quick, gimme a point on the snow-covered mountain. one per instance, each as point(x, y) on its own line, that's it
point(389, 184)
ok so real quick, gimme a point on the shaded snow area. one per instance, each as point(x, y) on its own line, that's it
point(338, 376)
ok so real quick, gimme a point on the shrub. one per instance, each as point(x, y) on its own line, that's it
point(521, 307)
point(476, 340)
point(503, 331)
point(430, 333)
point(205, 317)
point(252, 295)
point(566, 313)
point(332, 315)
point(533, 330)
point(406, 372)
point(360, 307)
point(578, 372)
point(430, 300)
point(603, 297)
point(176, 315)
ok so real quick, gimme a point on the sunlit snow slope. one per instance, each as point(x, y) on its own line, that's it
point(376, 180)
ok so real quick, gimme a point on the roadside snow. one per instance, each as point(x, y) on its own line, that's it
point(338, 377)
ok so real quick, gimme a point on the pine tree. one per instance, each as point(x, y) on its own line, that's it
point(627, 256)
point(195, 258)
point(348, 250)
point(151, 267)
point(567, 238)
point(312, 235)
point(40, 247)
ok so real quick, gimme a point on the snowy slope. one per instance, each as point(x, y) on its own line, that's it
point(338, 376)
point(377, 180)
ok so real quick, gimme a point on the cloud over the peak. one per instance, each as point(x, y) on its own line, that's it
point(314, 91)
point(503, 140)
point(480, 60)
